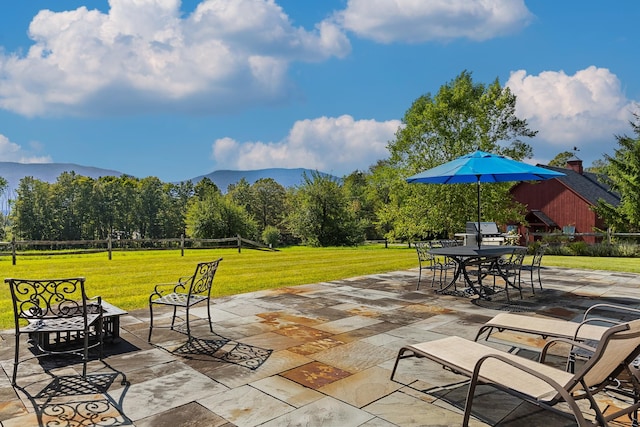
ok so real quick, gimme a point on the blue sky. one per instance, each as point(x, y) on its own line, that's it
point(179, 89)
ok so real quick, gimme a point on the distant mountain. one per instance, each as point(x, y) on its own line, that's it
point(48, 172)
point(284, 177)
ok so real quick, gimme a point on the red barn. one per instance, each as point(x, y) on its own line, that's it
point(564, 203)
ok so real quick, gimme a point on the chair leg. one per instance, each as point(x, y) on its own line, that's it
point(85, 353)
point(533, 288)
point(188, 324)
point(209, 314)
point(539, 278)
point(15, 360)
point(150, 321)
point(173, 319)
point(101, 338)
point(419, 278)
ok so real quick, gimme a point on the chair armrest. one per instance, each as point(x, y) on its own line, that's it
point(163, 288)
point(610, 307)
point(94, 301)
point(97, 299)
point(550, 343)
point(593, 320)
point(566, 396)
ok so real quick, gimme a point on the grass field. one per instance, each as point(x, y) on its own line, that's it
point(129, 278)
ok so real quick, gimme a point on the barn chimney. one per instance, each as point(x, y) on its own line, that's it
point(575, 164)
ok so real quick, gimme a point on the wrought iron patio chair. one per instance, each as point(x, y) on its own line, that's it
point(58, 317)
point(536, 382)
point(429, 262)
point(536, 265)
point(507, 268)
point(186, 293)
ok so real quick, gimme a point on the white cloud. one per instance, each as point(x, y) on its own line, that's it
point(418, 21)
point(584, 110)
point(144, 55)
point(337, 145)
point(12, 152)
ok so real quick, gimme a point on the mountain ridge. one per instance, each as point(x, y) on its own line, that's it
point(13, 172)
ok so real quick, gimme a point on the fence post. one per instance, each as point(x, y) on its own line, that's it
point(13, 250)
point(182, 245)
point(239, 244)
point(109, 246)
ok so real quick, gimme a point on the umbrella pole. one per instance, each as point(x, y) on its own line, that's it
point(479, 236)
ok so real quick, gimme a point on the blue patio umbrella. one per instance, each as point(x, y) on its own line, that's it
point(480, 167)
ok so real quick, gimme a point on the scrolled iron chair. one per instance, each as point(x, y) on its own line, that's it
point(186, 293)
point(58, 317)
point(427, 261)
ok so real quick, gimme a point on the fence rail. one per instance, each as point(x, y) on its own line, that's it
point(53, 247)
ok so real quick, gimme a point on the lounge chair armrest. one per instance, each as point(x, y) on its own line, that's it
point(566, 396)
point(550, 343)
point(609, 307)
point(585, 321)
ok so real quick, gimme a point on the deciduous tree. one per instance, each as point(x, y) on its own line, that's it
point(462, 117)
point(622, 174)
point(320, 213)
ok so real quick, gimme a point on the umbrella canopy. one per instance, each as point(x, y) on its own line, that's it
point(481, 166)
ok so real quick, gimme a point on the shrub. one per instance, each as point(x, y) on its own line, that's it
point(271, 236)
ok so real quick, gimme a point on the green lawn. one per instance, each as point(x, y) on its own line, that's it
point(128, 279)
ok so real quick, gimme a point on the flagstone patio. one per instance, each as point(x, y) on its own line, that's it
point(313, 355)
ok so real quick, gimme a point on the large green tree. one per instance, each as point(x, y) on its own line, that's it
point(32, 214)
point(622, 174)
point(320, 213)
point(462, 117)
point(268, 203)
point(215, 216)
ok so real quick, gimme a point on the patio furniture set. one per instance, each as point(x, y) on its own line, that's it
point(61, 319)
point(475, 263)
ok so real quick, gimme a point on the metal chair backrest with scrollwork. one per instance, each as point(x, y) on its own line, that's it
point(187, 292)
point(57, 316)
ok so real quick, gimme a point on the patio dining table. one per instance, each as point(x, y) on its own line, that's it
point(469, 256)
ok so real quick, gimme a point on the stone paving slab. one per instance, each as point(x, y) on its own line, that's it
point(313, 355)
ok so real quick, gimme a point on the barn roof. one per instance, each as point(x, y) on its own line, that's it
point(586, 185)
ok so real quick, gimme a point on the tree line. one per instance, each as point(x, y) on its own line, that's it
point(463, 116)
point(77, 207)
